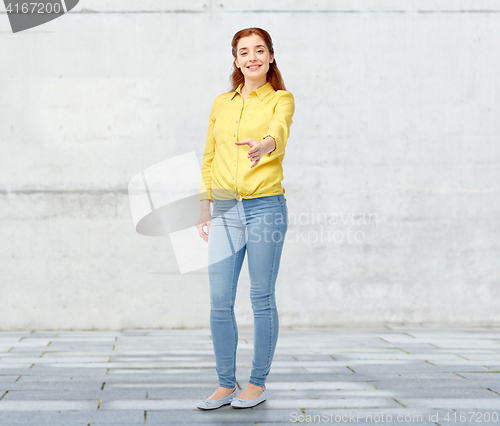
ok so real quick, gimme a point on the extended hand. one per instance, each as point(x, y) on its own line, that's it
point(255, 152)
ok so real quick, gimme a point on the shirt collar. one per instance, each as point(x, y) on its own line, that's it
point(262, 91)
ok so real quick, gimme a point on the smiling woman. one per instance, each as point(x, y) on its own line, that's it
point(248, 127)
point(249, 124)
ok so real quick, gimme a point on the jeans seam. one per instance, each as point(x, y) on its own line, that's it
point(233, 315)
point(271, 328)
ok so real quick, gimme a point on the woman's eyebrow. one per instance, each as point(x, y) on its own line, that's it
point(259, 45)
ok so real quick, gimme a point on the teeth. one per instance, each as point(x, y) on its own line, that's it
point(256, 66)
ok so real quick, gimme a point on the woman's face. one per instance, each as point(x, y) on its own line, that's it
point(253, 57)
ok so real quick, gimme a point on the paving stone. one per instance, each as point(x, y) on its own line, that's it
point(435, 403)
point(75, 394)
point(51, 370)
point(47, 405)
point(8, 380)
point(52, 360)
point(163, 373)
point(58, 417)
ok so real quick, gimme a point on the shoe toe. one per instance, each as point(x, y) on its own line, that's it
point(236, 402)
point(203, 404)
point(243, 403)
point(207, 404)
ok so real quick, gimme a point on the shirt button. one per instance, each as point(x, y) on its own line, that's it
point(235, 149)
point(236, 121)
point(233, 178)
point(234, 135)
point(235, 164)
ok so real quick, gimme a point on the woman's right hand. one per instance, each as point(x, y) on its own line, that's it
point(204, 220)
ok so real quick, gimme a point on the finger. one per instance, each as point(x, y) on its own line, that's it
point(200, 231)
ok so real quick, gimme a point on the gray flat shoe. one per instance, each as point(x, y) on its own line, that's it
point(247, 403)
point(212, 404)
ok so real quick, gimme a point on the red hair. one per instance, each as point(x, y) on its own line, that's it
point(273, 75)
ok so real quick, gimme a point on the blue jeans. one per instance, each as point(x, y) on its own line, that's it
point(259, 226)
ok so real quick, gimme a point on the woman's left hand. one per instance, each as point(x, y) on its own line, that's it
point(255, 152)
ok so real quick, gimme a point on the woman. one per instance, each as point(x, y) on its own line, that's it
point(241, 174)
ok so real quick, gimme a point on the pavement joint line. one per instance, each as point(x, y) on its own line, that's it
point(491, 368)
point(463, 377)
point(429, 362)
point(400, 403)
point(498, 393)
point(461, 356)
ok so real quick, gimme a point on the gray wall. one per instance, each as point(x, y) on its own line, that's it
point(395, 139)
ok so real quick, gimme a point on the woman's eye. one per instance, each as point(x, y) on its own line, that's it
point(258, 51)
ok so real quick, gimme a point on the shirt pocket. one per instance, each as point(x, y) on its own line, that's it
point(223, 127)
point(254, 125)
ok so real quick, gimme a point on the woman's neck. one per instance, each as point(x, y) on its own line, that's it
point(250, 86)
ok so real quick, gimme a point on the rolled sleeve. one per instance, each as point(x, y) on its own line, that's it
point(279, 128)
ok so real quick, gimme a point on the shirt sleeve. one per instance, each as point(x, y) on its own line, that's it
point(279, 128)
point(208, 156)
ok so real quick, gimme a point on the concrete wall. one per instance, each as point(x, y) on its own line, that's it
point(395, 139)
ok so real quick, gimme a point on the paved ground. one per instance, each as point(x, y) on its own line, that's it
point(136, 377)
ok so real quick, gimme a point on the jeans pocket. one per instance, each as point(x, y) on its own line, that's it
point(272, 199)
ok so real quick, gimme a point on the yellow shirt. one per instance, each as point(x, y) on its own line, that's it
point(226, 172)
